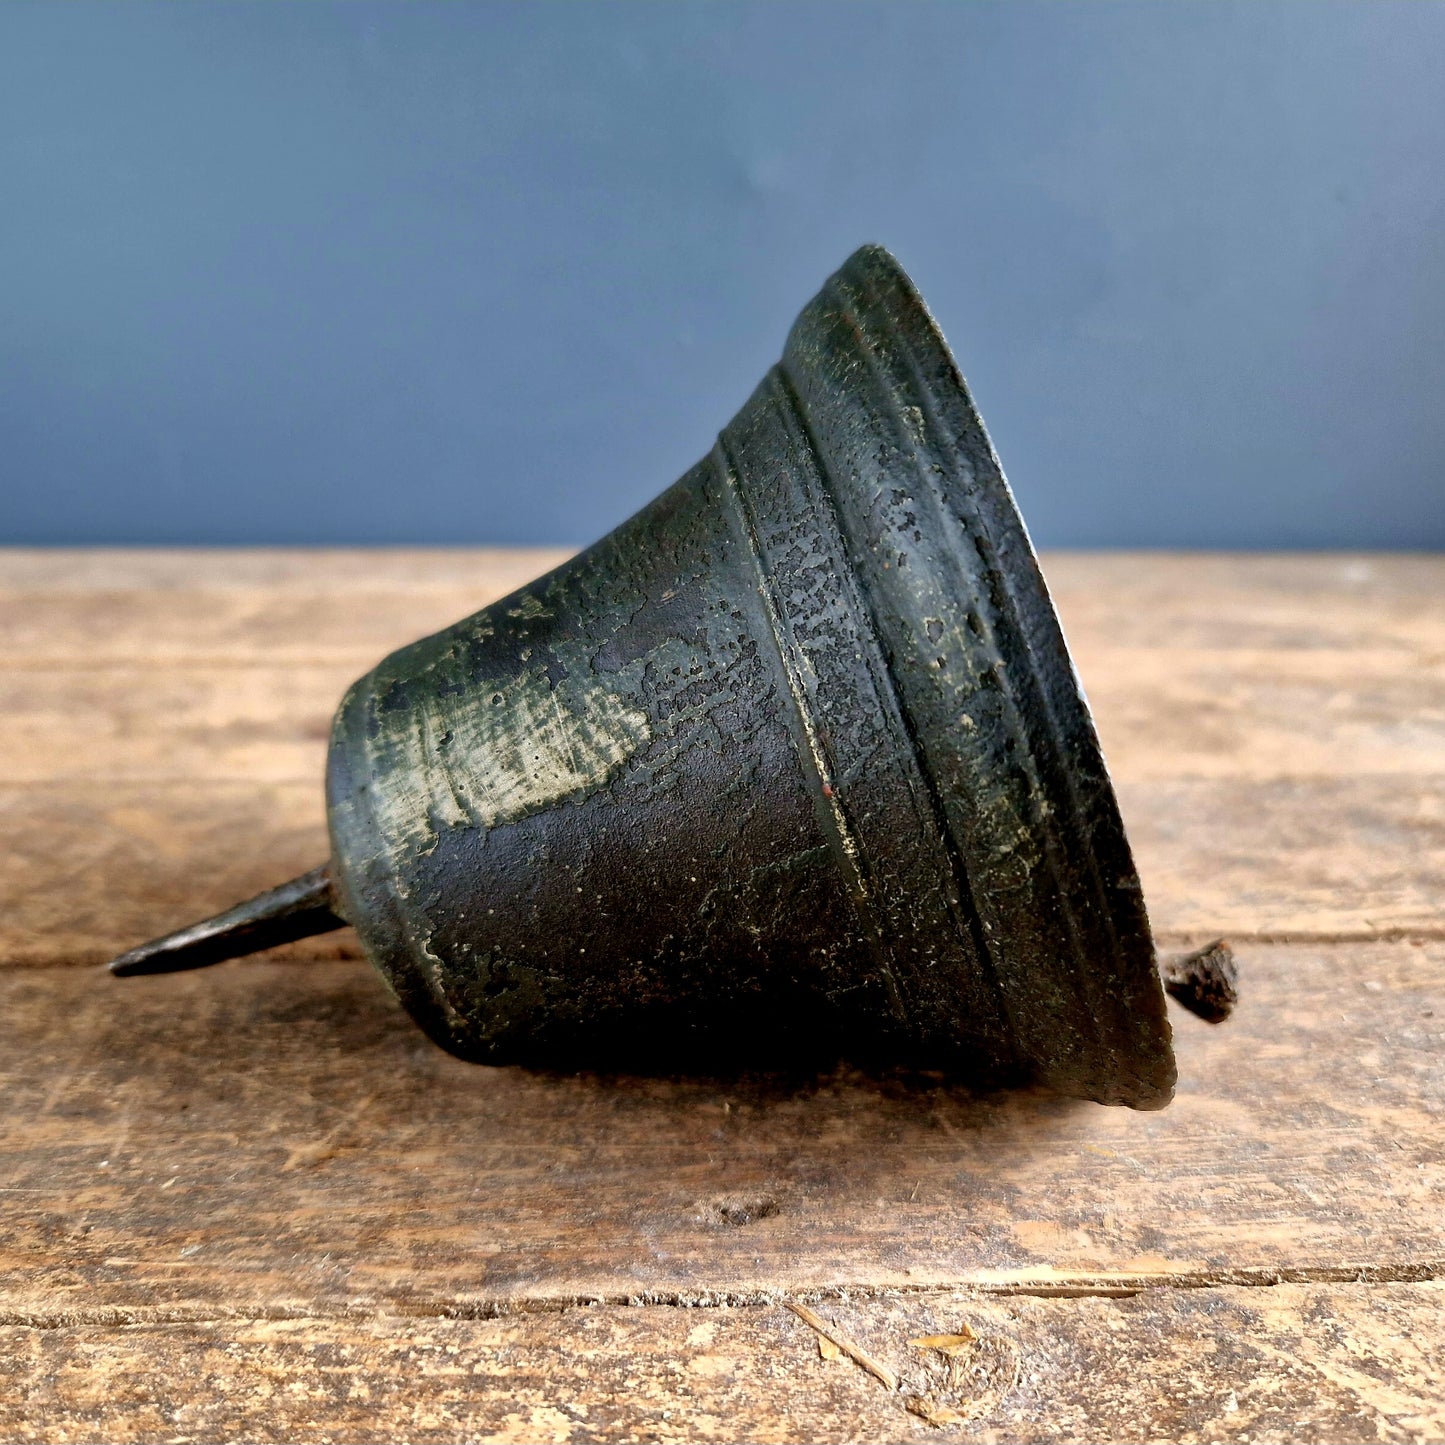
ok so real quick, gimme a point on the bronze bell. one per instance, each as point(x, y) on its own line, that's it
point(791, 765)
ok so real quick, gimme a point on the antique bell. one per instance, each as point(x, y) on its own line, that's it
point(791, 765)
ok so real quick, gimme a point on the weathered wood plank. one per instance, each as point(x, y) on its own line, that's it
point(164, 725)
point(87, 870)
point(277, 608)
point(261, 1137)
point(1343, 1362)
point(1362, 603)
point(1290, 858)
point(304, 571)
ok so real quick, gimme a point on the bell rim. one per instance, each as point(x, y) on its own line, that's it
point(1131, 1059)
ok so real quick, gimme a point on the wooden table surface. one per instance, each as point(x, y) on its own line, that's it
point(254, 1203)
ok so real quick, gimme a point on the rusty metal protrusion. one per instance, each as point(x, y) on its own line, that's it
point(298, 909)
point(1205, 981)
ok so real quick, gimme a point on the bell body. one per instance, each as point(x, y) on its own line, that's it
point(794, 762)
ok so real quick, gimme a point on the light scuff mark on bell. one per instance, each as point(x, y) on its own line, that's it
point(521, 747)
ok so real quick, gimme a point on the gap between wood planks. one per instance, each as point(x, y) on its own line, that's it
point(1109, 1287)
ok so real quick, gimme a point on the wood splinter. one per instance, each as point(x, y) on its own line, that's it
point(842, 1343)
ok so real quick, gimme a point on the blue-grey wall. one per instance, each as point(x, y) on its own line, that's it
point(454, 273)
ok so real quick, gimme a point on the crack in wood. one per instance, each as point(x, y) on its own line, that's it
point(1108, 1287)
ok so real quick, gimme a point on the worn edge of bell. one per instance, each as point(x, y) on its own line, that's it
point(1077, 753)
point(1081, 767)
point(832, 306)
point(885, 350)
point(1050, 752)
point(1113, 1064)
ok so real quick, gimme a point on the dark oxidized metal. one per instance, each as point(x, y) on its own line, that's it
point(792, 764)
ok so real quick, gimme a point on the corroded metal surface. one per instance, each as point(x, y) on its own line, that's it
point(792, 763)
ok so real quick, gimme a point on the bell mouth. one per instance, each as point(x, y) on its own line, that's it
point(984, 685)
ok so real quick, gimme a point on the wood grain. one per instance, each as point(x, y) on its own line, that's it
point(281, 1138)
point(97, 609)
point(1287, 1364)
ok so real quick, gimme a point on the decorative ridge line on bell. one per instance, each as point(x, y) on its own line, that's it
point(793, 762)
